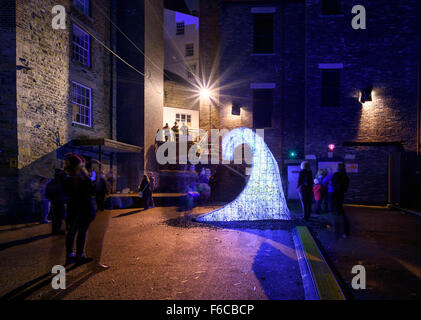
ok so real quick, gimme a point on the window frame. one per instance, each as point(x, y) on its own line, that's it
point(84, 7)
point(80, 105)
point(75, 44)
point(272, 91)
point(177, 29)
point(325, 6)
point(191, 71)
point(259, 37)
point(327, 88)
point(187, 49)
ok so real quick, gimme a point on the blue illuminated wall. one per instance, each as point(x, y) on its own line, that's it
point(263, 197)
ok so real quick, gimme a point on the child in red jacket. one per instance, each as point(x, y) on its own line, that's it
point(317, 191)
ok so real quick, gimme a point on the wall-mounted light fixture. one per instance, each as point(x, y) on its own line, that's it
point(331, 147)
point(236, 109)
point(366, 94)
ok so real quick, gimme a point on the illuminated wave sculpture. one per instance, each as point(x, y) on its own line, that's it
point(263, 197)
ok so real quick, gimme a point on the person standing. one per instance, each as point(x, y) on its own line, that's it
point(175, 129)
point(339, 184)
point(55, 194)
point(321, 175)
point(102, 189)
point(81, 210)
point(146, 192)
point(305, 189)
point(167, 132)
point(317, 191)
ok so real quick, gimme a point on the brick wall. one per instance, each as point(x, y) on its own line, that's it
point(8, 123)
point(180, 95)
point(383, 56)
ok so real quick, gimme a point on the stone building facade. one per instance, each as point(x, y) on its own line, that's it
point(316, 57)
point(60, 86)
point(45, 71)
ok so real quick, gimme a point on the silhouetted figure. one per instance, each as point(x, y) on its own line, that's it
point(110, 181)
point(102, 189)
point(321, 175)
point(305, 189)
point(81, 209)
point(338, 186)
point(55, 194)
point(167, 132)
point(317, 191)
point(176, 131)
point(212, 185)
point(145, 189)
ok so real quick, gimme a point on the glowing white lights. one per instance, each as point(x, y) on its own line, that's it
point(205, 93)
point(263, 197)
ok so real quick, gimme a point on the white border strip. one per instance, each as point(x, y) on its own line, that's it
point(309, 284)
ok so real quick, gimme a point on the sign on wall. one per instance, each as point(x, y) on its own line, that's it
point(351, 167)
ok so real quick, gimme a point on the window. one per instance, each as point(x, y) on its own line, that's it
point(83, 5)
point(183, 118)
point(331, 7)
point(191, 71)
point(189, 50)
point(331, 87)
point(81, 99)
point(81, 46)
point(180, 28)
point(263, 33)
point(262, 108)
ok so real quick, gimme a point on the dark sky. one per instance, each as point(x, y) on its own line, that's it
point(192, 4)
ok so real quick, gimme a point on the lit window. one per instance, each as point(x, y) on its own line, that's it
point(83, 5)
point(180, 28)
point(189, 50)
point(81, 46)
point(81, 99)
point(183, 118)
point(331, 7)
point(331, 87)
point(263, 33)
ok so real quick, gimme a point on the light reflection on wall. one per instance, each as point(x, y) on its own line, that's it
point(379, 120)
point(263, 197)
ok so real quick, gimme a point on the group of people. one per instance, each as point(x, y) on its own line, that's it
point(199, 190)
point(175, 130)
point(328, 191)
point(75, 195)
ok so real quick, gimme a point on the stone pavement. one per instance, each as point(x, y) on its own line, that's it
point(155, 254)
point(386, 242)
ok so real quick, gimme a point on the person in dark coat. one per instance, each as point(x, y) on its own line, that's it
point(55, 194)
point(305, 189)
point(338, 186)
point(146, 189)
point(102, 189)
point(81, 208)
point(176, 131)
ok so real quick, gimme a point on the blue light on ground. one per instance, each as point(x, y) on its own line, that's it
point(263, 197)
